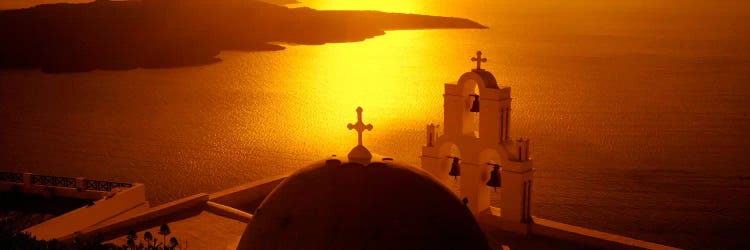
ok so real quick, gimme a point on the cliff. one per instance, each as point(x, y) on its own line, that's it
point(168, 33)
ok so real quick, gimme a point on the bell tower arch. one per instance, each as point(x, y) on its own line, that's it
point(477, 95)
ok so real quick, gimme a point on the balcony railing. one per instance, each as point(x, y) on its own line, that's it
point(60, 181)
point(11, 177)
point(105, 185)
point(55, 181)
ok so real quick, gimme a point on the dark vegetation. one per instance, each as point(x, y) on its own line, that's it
point(171, 33)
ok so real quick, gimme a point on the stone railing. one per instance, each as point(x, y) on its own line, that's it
point(54, 181)
point(105, 185)
point(11, 177)
point(80, 183)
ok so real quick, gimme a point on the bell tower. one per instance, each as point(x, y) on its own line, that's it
point(476, 153)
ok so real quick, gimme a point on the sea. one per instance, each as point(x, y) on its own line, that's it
point(638, 111)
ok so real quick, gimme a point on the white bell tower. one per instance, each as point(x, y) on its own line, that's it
point(477, 130)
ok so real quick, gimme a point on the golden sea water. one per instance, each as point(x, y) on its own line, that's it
point(638, 111)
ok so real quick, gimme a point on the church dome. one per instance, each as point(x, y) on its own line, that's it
point(336, 204)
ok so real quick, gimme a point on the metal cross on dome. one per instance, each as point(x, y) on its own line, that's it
point(359, 126)
point(479, 59)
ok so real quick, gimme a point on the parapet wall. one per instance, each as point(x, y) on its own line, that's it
point(108, 200)
point(492, 221)
point(110, 206)
point(589, 237)
point(247, 197)
point(186, 206)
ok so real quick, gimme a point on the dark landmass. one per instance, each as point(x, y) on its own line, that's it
point(122, 35)
point(281, 2)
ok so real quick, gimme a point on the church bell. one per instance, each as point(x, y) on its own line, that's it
point(494, 176)
point(475, 104)
point(455, 168)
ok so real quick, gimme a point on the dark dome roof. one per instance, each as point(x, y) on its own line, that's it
point(334, 205)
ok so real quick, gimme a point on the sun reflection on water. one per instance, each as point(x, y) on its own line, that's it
point(396, 79)
point(346, 76)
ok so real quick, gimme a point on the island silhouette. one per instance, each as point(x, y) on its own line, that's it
point(121, 35)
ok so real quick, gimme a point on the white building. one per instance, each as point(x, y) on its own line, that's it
point(477, 133)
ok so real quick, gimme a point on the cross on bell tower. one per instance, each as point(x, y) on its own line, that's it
point(479, 60)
